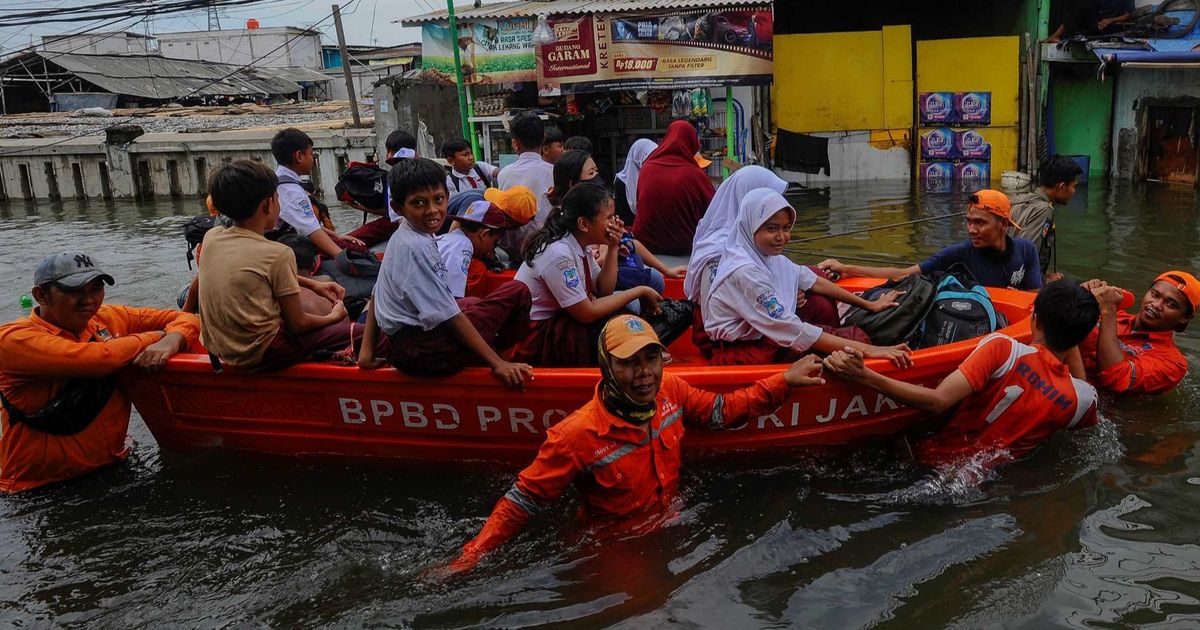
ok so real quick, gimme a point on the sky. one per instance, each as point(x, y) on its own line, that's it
point(365, 22)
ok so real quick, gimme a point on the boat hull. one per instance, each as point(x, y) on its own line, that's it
point(321, 409)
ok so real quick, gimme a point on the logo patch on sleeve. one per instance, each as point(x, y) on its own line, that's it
point(768, 301)
point(571, 277)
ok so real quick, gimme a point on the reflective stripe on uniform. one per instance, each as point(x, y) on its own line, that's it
point(617, 454)
point(718, 414)
point(524, 501)
point(1085, 399)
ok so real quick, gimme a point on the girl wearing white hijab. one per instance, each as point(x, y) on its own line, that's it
point(626, 185)
point(751, 310)
point(712, 234)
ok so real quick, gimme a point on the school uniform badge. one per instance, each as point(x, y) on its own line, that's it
point(571, 277)
point(768, 301)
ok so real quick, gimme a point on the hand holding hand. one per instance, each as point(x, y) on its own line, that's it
point(1109, 297)
point(805, 372)
point(899, 355)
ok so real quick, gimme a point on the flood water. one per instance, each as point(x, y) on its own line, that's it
point(1097, 529)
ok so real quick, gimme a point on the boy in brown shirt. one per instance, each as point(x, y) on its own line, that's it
point(251, 307)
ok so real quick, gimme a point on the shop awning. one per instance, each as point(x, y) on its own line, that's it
point(533, 8)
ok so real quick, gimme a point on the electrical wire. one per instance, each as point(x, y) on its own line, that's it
point(160, 108)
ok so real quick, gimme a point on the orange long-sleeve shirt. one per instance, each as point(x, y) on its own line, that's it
point(37, 358)
point(620, 469)
point(1153, 364)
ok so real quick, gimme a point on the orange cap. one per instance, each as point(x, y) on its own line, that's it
point(517, 202)
point(1187, 285)
point(995, 202)
point(625, 335)
point(702, 162)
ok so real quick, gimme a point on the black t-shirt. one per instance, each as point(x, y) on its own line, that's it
point(1111, 8)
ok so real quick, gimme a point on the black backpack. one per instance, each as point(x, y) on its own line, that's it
point(895, 325)
point(363, 183)
point(195, 229)
point(962, 309)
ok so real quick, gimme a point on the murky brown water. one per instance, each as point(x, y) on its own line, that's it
point(1097, 529)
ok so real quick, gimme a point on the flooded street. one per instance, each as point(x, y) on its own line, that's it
point(1096, 529)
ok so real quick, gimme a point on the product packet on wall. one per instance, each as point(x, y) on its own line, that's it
point(938, 144)
point(973, 172)
point(973, 108)
point(971, 145)
point(936, 171)
point(935, 108)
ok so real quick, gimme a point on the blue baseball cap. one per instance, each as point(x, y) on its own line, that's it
point(70, 269)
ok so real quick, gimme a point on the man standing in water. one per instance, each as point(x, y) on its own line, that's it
point(622, 449)
point(994, 258)
point(1034, 211)
point(1136, 354)
point(1007, 397)
point(63, 412)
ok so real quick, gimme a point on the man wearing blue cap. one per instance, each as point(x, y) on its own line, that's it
point(63, 413)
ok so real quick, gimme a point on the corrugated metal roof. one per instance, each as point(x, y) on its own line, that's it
point(526, 8)
point(154, 77)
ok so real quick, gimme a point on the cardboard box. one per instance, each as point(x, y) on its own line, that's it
point(969, 144)
point(938, 144)
point(973, 172)
point(936, 171)
point(973, 108)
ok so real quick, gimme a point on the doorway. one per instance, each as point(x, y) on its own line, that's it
point(1172, 150)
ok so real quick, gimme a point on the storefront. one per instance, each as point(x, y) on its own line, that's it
point(609, 71)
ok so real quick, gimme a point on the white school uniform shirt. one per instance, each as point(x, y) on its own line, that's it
point(412, 289)
point(469, 180)
point(536, 174)
point(456, 251)
point(295, 208)
point(712, 233)
point(754, 296)
point(555, 279)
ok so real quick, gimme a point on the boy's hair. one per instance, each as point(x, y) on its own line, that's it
point(303, 248)
point(470, 227)
point(1067, 313)
point(287, 142)
point(1058, 169)
point(553, 134)
point(453, 146)
point(409, 176)
point(238, 188)
point(399, 139)
point(578, 143)
point(529, 130)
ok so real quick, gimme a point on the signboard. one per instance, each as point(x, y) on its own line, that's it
point(491, 51)
point(657, 51)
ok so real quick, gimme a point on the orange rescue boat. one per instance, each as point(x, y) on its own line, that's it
point(323, 409)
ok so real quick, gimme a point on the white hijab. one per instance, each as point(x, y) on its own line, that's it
point(776, 271)
point(712, 234)
point(633, 166)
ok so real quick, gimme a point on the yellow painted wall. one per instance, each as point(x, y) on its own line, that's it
point(844, 81)
point(984, 64)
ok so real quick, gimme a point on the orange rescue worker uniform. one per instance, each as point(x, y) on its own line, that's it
point(620, 468)
point(1154, 365)
point(37, 359)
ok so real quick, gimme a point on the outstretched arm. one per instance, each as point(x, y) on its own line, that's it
point(849, 364)
point(849, 271)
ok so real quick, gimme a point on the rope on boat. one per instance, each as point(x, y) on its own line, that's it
point(881, 227)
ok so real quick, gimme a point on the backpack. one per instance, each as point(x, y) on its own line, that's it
point(962, 309)
point(357, 273)
point(363, 183)
point(195, 229)
point(895, 325)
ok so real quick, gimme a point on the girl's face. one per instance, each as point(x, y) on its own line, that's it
point(595, 231)
point(589, 171)
point(774, 234)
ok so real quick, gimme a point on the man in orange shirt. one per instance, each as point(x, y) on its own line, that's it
point(1007, 397)
point(1136, 354)
point(63, 413)
point(621, 450)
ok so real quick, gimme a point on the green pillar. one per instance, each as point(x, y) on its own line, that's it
point(730, 132)
point(458, 75)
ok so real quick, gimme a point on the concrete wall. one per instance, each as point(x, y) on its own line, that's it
point(162, 164)
point(405, 105)
point(1136, 90)
point(287, 47)
point(364, 80)
point(98, 44)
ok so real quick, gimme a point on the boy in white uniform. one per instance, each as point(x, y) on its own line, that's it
point(426, 332)
point(481, 225)
point(293, 150)
point(531, 171)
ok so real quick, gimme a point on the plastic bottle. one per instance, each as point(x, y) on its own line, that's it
point(26, 303)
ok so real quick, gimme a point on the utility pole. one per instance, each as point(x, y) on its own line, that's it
point(458, 75)
point(337, 21)
point(214, 19)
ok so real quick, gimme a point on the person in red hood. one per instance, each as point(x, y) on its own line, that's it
point(674, 192)
point(622, 449)
point(1136, 354)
